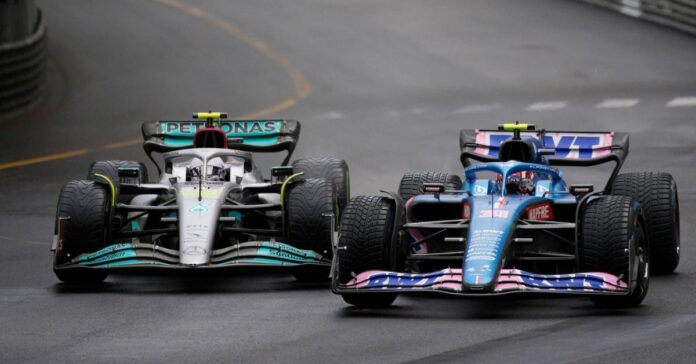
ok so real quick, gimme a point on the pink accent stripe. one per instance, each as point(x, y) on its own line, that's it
point(481, 137)
point(508, 280)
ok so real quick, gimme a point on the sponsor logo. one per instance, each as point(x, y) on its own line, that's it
point(197, 227)
point(194, 250)
point(563, 144)
point(541, 212)
point(228, 127)
point(480, 190)
point(503, 214)
point(199, 209)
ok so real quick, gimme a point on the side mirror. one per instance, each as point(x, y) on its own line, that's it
point(433, 187)
point(547, 151)
point(129, 175)
point(281, 171)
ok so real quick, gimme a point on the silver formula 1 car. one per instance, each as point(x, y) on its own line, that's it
point(210, 209)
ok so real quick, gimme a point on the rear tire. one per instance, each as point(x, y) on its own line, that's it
point(657, 195)
point(306, 203)
point(366, 235)
point(109, 168)
point(87, 204)
point(332, 169)
point(412, 183)
point(613, 241)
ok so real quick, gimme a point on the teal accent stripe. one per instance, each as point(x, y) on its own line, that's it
point(287, 252)
point(129, 253)
point(266, 261)
point(108, 250)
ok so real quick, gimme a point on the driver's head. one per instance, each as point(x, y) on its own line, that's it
point(520, 183)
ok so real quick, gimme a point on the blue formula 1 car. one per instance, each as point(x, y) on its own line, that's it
point(514, 225)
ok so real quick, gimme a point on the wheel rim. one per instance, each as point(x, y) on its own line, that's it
point(677, 230)
point(641, 263)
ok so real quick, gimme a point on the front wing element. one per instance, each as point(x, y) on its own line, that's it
point(509, 281)
point(142, 255)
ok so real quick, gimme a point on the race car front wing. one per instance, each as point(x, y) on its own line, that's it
point(509, 281)
point(141, 255)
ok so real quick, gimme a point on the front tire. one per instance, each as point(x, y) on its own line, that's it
point(87, 205)
point(613, 241)
point(306, 203)
point(366, 234)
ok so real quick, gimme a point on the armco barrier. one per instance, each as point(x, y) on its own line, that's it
point(678, 14)
point(22, 68)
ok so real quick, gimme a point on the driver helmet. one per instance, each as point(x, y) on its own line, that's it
point(520, 183)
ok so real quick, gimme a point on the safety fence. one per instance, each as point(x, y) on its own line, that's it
point(22, 63)
point(678, 14)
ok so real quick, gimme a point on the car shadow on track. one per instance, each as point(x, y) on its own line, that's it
point(489, 308)
point(201, 283)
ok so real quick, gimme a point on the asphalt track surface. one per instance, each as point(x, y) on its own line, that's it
point(385, 85)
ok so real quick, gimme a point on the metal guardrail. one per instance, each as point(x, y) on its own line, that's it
point(678, 14)
point(22, 68)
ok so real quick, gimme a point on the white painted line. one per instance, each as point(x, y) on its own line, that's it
point(331, 115)
point(617, 103)
point(547, 105)
point(682, 102)
point(470, 109)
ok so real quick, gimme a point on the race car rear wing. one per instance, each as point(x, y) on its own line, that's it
point(264, 136)
point(572, 148)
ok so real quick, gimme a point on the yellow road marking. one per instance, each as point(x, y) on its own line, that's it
point(301, 85)
point(123, 143)
point(46, 158)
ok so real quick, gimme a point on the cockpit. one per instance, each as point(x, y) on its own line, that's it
point(512, 178)
point(520, 183)
point(208, 165)
point(214, 171)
